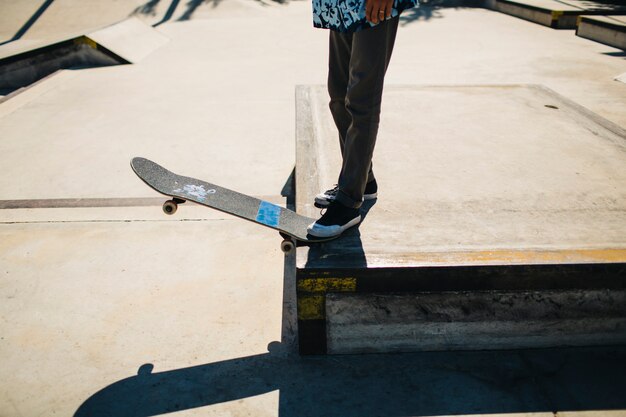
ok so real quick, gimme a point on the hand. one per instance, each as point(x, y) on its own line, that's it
point(378, 10)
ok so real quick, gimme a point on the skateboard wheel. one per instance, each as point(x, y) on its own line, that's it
point(287, 246)
point(170, 207)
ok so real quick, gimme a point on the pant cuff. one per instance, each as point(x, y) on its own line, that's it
point(344, 199)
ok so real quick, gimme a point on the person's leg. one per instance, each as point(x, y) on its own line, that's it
point(371, 53)
point(340, 49)
point(357, 64)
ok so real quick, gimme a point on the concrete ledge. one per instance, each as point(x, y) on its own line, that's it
point(474, 320)
point(482, 188)
point(322, 320)
point(609, 30)
point(556, 14)
point(123, 43)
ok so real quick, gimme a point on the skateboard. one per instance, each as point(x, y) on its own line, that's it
point(291, 225)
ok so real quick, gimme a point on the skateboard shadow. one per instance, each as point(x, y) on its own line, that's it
point(345, 251)
point(425, 384)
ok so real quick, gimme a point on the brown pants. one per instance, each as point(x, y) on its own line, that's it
point(356, 72)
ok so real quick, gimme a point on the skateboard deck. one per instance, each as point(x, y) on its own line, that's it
point(289, 223)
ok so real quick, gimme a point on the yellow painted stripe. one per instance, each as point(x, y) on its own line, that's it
point(323, 285)
point(84, 40)
point(565, 256)
point(311, 307)
point(508, 257)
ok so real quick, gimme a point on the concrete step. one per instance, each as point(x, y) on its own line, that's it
point(556, 13)
point(474, 320)
point(609, 30)
point(125, 42)
point(488, 192)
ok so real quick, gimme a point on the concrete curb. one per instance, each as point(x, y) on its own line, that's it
point(475, 320)
point(609, 30)
point(552, 13)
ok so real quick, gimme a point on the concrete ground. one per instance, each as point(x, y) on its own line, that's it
point(111, 308)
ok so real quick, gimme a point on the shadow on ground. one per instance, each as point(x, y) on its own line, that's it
point(424, 384)
point(431, 9)
point(30, 22)
point(428, 9)
point(150, 8)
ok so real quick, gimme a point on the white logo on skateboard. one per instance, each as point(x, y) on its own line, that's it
point(196, 191)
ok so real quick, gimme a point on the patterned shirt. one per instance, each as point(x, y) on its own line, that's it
point(349, 15)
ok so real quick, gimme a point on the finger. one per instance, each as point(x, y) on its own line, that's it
point(380, 16)
point(377, 7)
point(383, 10)
point(388, 9)
point(375, 10)
point(369, 7)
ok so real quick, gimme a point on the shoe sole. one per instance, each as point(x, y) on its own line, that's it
point(342, 229)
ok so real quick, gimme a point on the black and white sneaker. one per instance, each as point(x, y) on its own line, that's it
point(324, 199)
point(337, 219)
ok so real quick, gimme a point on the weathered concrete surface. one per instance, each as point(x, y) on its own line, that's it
point(522, 53)
point(473, 321)
point(85, 304)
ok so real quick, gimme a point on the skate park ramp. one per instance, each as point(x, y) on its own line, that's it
point(125, 42)
point(39, 38)
point(509, 198)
